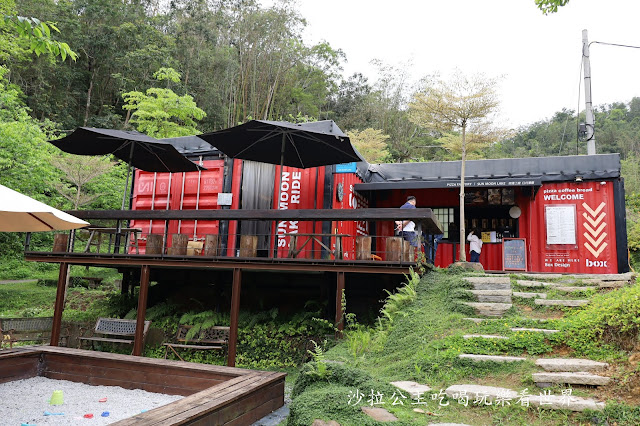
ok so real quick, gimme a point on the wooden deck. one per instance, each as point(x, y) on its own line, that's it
point(213, 394)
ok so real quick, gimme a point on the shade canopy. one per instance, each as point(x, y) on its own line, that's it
point(19, 213)
point(139, 150)
point(301, 145)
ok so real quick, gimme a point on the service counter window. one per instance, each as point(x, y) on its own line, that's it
point(447, 218)
point(488, 211)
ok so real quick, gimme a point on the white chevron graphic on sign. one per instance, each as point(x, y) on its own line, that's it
point(593, 251)
point(593, 242)
point(595, 232)
point(593, 212)
point(594, 224)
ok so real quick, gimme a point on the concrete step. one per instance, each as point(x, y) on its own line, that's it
point(573, 289)
point(483, 336)
point(612, 284)
point(527, 295)
point(572, 303)
point(489, 309)
point(535, 330)
point(571, 378)
point(570, 364)
point(488, 279)
point(494, 358)
point(543, 276)
point(491, 393)
point(412, 388)
point(628, 276)
point(480, 320)
point(534, 284)
point(492, 296)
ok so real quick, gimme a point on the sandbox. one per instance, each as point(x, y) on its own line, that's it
point(213, 395)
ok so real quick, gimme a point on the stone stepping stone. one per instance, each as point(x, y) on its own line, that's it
point(570, 364)
point(488, 280)
point(534, 284)
point(573, 289)
point(492, 296)
point(528, 295)
point(571, 303)
point(535, 330)
point(480, 320)
point(571, 378)
point(543, 276)
point(489, 309)
point(612, 284)
point(483, 336)
point(416, 390)
point(554, 402)
point(494, 358)
point(628, 276)
point(379, 414)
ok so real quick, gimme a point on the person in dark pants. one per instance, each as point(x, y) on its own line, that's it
point(408, 227)
point(475, 244)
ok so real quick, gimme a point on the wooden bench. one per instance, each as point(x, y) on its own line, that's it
point(14, 330)
point(212, 338)
point(114, 330)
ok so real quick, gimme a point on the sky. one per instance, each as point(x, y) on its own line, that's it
point(537, 56)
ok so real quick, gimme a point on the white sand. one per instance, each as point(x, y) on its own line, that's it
point(25, 401)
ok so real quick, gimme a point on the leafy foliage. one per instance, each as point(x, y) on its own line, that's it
point(607, 325)
point(38, 33)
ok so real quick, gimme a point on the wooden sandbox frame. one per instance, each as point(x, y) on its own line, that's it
point(213, 395)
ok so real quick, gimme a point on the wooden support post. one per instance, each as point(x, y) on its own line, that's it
point(59, 306)
point(178, 245)
point(138, 342)
point(235, 311)
point(211, 245)
point(363, 248)
point(339, 312)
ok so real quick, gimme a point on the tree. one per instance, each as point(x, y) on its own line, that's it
point(371, 143)
point(463, 104)
point(38, 33)
point(162, 113)
point(550, 6)
point(79, 171)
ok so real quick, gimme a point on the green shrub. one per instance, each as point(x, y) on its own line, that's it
point(608, 325)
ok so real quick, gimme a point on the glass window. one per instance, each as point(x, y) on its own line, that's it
point(445, 216)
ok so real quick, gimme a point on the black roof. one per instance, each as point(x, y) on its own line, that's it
point(191, 146)
point(542, 169)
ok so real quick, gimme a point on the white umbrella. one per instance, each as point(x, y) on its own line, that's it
point(19, 213)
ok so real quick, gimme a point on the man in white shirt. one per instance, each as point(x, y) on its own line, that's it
point(475, 245)
point(408, 227)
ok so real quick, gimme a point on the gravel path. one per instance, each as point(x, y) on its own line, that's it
point(26, 401)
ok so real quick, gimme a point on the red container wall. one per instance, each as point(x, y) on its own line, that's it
point(595, 248)
point(490, 257)
point(182, 191)
point(350, 199)
point(299, 189)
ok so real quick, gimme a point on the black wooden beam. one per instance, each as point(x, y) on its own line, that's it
point(425, 216)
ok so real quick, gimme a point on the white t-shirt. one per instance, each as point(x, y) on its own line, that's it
point(475, 243)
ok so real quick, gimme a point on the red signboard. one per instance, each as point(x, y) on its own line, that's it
point(571, 228)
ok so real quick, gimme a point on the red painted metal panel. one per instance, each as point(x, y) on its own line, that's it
point(176, 191)
point(490, 257)
point(594, 250)
point(349, 199)
point(300, 189)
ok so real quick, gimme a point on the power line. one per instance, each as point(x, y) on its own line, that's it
point(614, 44)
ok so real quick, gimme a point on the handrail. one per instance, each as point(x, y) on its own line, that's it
point(423, 215)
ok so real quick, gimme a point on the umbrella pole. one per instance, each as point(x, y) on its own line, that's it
point(116, 247)
point(275, 248)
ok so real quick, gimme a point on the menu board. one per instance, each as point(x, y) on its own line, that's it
point(561, 224)
point(514, 254)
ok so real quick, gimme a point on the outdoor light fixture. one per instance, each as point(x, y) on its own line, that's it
point(578, 178)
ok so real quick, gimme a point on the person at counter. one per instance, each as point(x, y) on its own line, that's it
point(475, 243)
point(408, 227)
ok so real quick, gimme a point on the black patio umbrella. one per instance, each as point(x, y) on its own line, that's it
point(301, 145)
point(136, 149)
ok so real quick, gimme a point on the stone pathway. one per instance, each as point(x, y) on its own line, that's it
point(493, 295)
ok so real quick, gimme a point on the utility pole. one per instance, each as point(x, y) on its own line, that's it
point(590, 120)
